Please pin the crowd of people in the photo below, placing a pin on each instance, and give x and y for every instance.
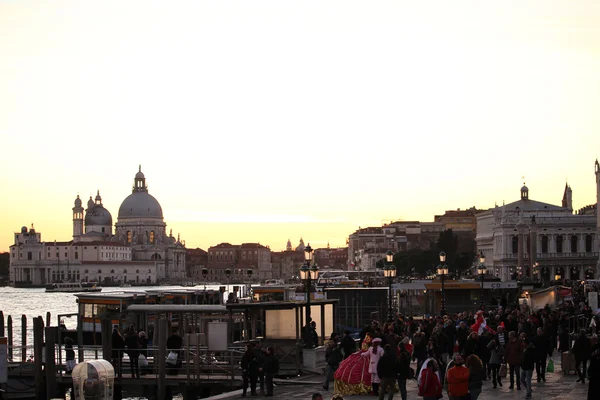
(460, 354)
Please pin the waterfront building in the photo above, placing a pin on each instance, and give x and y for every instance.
(239, 259)
(529, 238)
(366, 246)
(139, 251)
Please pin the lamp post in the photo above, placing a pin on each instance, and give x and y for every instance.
(390, 273)
(308, 273)
(482, 271)
(442, 271)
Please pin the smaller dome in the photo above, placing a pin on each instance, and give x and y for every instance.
(77, 202)
(24, 229)
(524, 189)
(98, 216)
(90, 203)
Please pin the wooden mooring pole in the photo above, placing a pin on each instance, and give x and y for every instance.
(10, 337)
(38, 349)
(1, 324)
(23, 338)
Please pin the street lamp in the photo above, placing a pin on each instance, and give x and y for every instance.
(536, 269)
(308, 273)
(442, 271)
(389, 271)
(482, 271)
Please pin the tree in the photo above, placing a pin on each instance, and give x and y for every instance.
(448, 242)
(4, 264)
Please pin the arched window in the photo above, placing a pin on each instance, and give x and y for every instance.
(149, 271)
(99, 271)
(559, 244)
(86, 271)
(151, 236)
(588, 243)
(573, 244)
(76, 255)
(128, 236)
(125, 271)
(544, 244)
(515, 244)
(137, 271)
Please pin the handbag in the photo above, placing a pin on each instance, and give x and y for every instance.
(503, 371)
(550, 367)
(142, 361)
(172, 358)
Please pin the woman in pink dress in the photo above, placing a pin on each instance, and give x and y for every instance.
(352, 376)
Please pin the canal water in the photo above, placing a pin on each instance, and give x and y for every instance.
(36, 302)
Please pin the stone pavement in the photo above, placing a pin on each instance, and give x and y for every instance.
(556, 387)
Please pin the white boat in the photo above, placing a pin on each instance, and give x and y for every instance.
(271, 282)
(336, 278)
(73, 287)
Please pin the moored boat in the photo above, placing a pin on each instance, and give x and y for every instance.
(77, 287)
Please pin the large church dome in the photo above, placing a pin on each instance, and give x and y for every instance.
(140, 204)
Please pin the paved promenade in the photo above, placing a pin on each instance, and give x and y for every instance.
(556, 387)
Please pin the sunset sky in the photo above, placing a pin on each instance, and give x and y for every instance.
(259, 121)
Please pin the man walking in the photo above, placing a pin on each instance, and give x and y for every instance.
(581, 350)
(514, 355)
(458, 380)
(542, 348)
(387, 369)
(527, 364)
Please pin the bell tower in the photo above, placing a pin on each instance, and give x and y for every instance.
(77, 219)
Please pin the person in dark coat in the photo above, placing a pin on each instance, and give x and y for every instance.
(249, 366)
(174, 344)
(333, 358)
(133, 351)
(118, 346)
(594, 372)
(483, 352)
(260, 357)
(70, 354)
(143, 338)
(470, 345)
(542, 349)
(462, 333)
(270, 368)
(348, 344)
(387, 370)
(581, 350)
(403, 369)
(527, 365)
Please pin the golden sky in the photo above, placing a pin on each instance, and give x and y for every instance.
(259, 121)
